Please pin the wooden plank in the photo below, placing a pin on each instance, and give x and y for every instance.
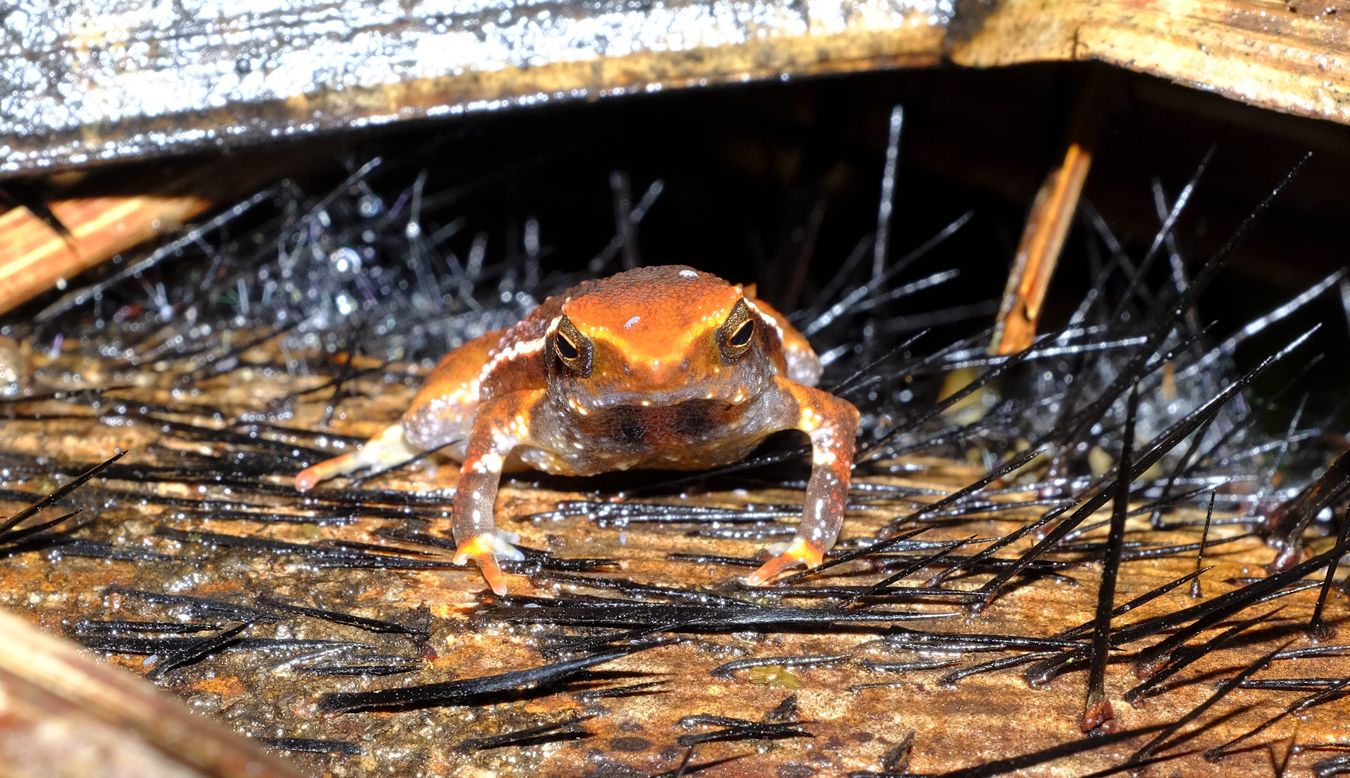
(88, 81)
(61, 713)
(1290, 57)
(853, 696)
(34, 258)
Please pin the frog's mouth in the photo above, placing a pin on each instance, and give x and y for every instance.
(585, 403)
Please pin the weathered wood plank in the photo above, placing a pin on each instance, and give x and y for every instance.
(83, 82)
(66, 714)
(1290, 57)
(857, 706)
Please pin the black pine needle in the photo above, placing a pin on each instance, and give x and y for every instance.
(1316, 626)
(1158, 742)
(566, 729)
(57, 494)
(463, 692)
(1096, 708)
(198, 650)
(1045, 755)
(1196, 591)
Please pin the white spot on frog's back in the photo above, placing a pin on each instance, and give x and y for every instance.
(628, 325)
(688, 274)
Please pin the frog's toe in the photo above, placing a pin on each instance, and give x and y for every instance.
(310, 477)
(306, 479)
(483, 549)
(386, 449)
(492, 573)
(800, 552)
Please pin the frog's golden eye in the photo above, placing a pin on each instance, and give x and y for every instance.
(566, 348)
(737, 334)
(573, 348)
(741, 337)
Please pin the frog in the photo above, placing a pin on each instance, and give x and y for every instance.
(661, 367)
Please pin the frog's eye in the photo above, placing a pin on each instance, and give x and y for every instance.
(566, 348)
(741, 337)
(737, 334)
(572, 347)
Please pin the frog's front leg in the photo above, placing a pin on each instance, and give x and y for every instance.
(502, 424)
(440, 414)
(832, 425)
(386, 449)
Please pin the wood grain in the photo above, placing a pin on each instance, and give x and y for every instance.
(855, 709)
(259, 72)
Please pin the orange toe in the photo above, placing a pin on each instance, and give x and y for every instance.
(311, 476)
(481, 550)
(306, 479)
(487, 565)
(801, 552)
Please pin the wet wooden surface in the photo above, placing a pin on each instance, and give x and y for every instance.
(69, 714)
(201, 460)
(91, 82)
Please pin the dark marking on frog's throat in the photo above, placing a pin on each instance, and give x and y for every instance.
(694, 420)
(627, 428)
(641, 430)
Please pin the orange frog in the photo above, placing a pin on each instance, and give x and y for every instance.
(658, 367)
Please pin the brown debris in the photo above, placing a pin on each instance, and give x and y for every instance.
(1047, 226)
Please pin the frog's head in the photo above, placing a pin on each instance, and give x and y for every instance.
(659, 336)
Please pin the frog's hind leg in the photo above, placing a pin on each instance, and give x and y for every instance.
(440, 414)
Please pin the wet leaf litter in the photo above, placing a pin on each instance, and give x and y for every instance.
(1020, 550)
